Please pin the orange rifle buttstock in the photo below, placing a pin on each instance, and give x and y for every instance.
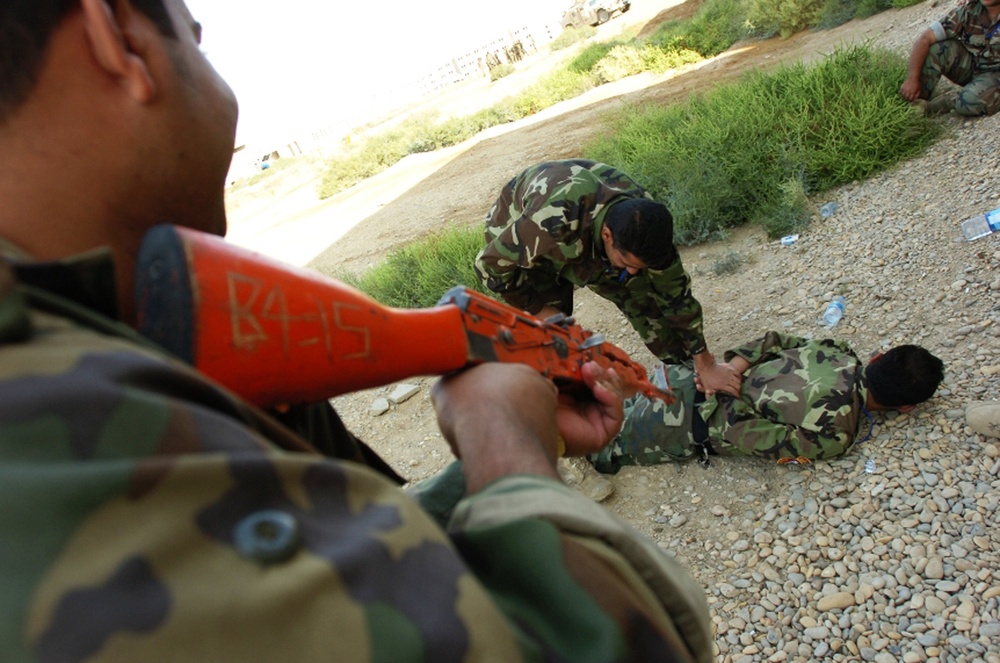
(276, 334)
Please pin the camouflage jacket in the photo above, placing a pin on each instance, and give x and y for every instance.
(799, 398)
(543, 239)
(147, 514)
(970, 24)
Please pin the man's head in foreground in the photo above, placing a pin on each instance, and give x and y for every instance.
(115, 120)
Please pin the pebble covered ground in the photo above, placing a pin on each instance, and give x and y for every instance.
(831, 561)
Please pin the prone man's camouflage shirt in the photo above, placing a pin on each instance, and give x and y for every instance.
(148, 515)
(543, 239)
(970, 25)
(799, 398)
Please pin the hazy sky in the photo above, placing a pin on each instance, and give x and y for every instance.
(303, 64)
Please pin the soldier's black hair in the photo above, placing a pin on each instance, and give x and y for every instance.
(905, 375)
(25, 29)
(644, 228)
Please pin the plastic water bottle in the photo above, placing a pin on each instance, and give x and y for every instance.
(981, 225)
(834, 311)
(660, 377)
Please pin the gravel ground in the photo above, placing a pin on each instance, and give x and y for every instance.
(835, 563)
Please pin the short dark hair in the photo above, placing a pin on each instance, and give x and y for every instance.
(644, 228)
(905, 375)
(25, 28)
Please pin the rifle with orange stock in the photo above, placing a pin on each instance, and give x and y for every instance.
(278, 334)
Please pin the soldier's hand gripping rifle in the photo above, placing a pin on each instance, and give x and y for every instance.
(277, 334)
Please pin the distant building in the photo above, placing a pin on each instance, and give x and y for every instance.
(517, 44)
(249, 158)
(512, 47)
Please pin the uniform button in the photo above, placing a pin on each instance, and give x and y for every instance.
(268, 536)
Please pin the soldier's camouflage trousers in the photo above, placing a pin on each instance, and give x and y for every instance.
(654, 432)
(980, 93)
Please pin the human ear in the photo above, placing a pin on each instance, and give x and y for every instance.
(118, 44)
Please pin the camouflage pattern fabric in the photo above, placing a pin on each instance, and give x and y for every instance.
(799, 398)
(967, 52)
(543, 239)
(149, 515)
(654, 432)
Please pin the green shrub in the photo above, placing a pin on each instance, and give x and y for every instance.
(590, 56)
(784, 17)
(836, 12)
(629, 59)
(751, 151)
(570, 36)
(418, 275)
(621, 61)
(498, 72)
(558, 86)
(716, 26)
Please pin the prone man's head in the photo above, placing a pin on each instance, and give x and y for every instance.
(643, 228)
(903, 376)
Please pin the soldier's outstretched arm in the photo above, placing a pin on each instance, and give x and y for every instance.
(560, 557)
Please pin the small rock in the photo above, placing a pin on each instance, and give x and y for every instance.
(379, 407)
(934, 569)
(403, 392)
(984, 418)
(597, 488)
(835, 601)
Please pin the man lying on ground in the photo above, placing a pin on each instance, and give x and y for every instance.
(800, 400)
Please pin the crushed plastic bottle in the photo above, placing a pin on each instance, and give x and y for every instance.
(834, 311)
(788, 240)
(870, 466)
(660, 377)
(981, 225)
(827, 209)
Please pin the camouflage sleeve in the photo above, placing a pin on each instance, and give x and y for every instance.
(682, 314)
(149, 516)
(587, 568)
(953, 24)
(526, 241)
